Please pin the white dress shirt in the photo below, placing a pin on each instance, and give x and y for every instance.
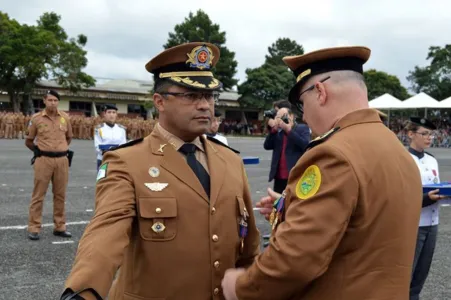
(106, 137)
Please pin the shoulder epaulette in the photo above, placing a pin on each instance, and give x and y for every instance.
(64, 114)
(320, 139)
(429, 154)
(121, 126)
(99, 126)
(221, 143)
(128, 144)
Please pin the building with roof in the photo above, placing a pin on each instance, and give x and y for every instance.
(128, 95)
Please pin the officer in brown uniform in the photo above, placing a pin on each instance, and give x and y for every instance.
(173, 210)
(345, 226)
(48, 136)
(9, 125)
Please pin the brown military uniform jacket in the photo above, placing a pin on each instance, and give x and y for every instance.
(200, 238)
(352, 209)
(51, 133)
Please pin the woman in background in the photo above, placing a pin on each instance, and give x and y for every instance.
(421, 133)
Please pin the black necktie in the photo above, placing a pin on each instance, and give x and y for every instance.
(196, 166)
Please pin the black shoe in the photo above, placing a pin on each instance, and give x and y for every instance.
(267, 236)
(65, 234)
(34, 236)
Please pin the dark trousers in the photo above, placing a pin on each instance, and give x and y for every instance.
(279, 185)
(424, 251)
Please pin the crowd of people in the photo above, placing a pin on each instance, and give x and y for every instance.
(441, 134)
(13, 126)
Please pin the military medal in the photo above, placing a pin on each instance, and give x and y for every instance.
(277, 211)
(243, 229)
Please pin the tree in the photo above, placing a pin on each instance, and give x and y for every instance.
(379, 83)
(273, 80)
(434, 79)
(281, 48)
(199, 28)
(265, 85)
(30, 53)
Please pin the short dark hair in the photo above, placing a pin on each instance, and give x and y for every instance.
(282, 104)
(162, 86)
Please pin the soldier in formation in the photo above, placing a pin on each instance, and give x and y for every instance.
(13, 126)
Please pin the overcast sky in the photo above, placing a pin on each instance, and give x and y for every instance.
(124, 34)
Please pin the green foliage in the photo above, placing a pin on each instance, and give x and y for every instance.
(379, 83)
(281, 48)
(30, 53)
(200, 28)
(273, 80)
(434, 79)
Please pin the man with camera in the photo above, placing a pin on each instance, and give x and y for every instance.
(288, 141)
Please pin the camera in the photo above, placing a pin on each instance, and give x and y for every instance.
(270, 113)
(285, 119)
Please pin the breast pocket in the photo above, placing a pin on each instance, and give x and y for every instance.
(157, 218)
(43, 129)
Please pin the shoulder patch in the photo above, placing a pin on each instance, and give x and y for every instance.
(102, 171)
(128, 144)
(322, 138)
(429, 154)
(309, 183)
(221, 143)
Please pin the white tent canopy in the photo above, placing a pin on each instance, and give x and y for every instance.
(386, 101)
(421, 100)
(445, 103)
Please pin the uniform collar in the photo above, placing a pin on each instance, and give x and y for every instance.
(366, 115)
(44, 112)
(175, 141)
(418, 154)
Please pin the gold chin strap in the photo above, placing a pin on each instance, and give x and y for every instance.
(187, 74)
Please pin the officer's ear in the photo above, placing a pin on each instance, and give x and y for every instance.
(158, 101)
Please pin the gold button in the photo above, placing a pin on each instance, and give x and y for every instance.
(215, 238)
(213, 210)
(158, 210)
(216, 264)
(216, 291)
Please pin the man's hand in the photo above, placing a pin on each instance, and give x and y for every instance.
(434, 197)
(284, 126)
(229, 283)
(273, 124)
(266, 203)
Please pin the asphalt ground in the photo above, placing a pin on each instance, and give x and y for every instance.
(36, 270)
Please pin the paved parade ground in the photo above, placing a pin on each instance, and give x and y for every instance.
(36, 270)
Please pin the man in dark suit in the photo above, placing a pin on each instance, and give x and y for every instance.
(288, 141)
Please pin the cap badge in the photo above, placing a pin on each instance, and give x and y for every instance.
(423, 121)
(201, 57)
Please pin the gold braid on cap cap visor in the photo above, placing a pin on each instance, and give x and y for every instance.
(188, 81)
(184, 77)
(303, 74)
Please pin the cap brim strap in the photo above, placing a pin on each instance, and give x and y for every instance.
(186, 74)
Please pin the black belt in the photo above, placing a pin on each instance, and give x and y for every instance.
(38, 153)
(53, 154)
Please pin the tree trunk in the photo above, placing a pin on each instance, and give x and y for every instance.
(28, 106)
(14, 102)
